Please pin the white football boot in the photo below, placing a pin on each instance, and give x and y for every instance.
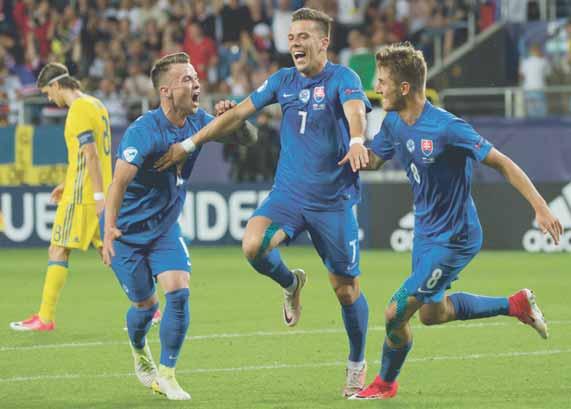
(292, 301)
(145, 367)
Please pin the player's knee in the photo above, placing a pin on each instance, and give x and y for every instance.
(346, 294)
(146, 304)
(251, 246)
(346, 289)
(57, 253)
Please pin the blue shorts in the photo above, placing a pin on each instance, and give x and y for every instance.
(335, 234)
(136, 267)
(435, 266)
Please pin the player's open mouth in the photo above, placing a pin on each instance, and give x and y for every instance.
(195, 97)
(298, 55)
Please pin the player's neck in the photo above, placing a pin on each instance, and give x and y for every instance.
(70, 95)
(413, 110)
(320, 66)
(173, 116)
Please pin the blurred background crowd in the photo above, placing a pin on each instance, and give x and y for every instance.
(235, 45)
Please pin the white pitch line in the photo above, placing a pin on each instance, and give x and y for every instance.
(320, 331)
(251, 368)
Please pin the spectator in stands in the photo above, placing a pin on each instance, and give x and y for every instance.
(533, 71)
(202, 51)
(281, 20)
(350, 16)
(257, 162)
(205, 17)
(109, 97)
(136, 88)
(9, 94)
(239, 81)
(360, 58)
(152, 37)
(235, 18)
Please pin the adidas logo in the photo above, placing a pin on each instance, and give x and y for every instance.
(402, 238)
(535, 241)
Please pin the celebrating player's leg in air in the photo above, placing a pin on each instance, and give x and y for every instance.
(324, 108)
(437, 149)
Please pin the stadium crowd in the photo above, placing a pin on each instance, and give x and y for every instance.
(234, 45)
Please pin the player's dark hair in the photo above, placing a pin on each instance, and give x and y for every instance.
(405, 63)
(53, 70)
(322, 19)
(162, 65)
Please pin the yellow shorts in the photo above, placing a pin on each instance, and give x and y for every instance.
(76, 226)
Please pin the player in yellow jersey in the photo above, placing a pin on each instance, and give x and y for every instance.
(81, 198)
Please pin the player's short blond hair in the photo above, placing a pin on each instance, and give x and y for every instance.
(54, 70)
(162, 65)
(323, 20)
(405, 63)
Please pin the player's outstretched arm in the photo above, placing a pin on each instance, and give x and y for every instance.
(357, 155)
(218, 128)
(124, 174)
(246, 134)
(547, 222)
(94, 171)
(374, 161)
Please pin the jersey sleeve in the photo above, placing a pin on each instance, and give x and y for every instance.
(79, 121)
(382, 144)
(350, 87)
(462, 135)
(135, 147)
(267, 93)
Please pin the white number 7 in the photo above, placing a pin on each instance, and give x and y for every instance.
(303, 115)
(353, 245)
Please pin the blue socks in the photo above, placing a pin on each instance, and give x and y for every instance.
(272, 266)
(356, 319)
(176, 318)
(392, 360)
(138, 324)
(471, 306)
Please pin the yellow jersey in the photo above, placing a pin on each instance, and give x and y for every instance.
(87, 122)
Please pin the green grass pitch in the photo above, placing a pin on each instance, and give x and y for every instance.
(240, 355)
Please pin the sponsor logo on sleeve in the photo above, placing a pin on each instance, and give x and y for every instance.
(349, 91)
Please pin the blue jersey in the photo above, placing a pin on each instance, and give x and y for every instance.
(314, 134)
(437, 153)
(153, 200)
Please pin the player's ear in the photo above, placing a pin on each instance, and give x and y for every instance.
(325, 43)
(404, 88)
(164, 92)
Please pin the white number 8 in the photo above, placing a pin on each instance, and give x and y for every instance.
(415, 173)
(431, 283)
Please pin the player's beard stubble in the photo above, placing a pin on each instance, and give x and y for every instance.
(395, 102)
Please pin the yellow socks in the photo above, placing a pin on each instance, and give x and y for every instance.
(55, 280)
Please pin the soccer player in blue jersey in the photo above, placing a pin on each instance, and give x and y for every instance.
(437, 149)
(324, 109)
(142, 240)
